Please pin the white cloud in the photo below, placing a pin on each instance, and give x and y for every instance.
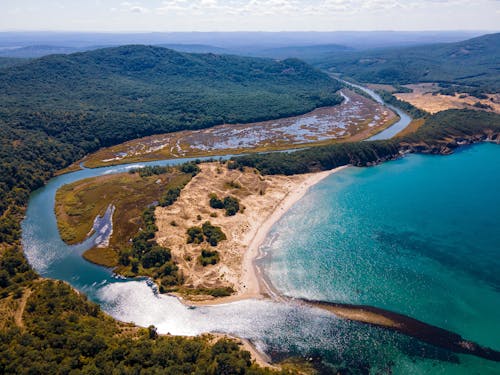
(295, 7)
(186, 15)
(133, 7)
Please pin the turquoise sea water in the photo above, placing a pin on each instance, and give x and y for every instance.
(419, 236)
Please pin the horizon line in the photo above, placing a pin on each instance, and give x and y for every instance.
(242, 31)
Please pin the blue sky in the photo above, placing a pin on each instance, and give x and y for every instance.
(232, 15)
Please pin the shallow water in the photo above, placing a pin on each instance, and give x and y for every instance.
(419, 236)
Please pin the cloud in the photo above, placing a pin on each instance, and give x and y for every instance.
(294, 7)
(135, 7)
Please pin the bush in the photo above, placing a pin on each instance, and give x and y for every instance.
(170, 197)
(208, 257)
(191, 168)
(208, 232)
(156, 257)
(212, 233)
(232, 206)
(215, 202)
(195, 235)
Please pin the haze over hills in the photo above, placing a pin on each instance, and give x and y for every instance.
(31, 44)
(473, 62)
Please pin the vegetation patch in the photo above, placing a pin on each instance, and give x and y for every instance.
(208, 257)
(78, 203)
(230, 204)
(208, 232)
(214, 292)
(103, 256)
(146, 257)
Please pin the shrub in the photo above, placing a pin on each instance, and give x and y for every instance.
(212, 233)
(231, 205)
(208, 257)
(215, 202)
(156, 257)
(195, 235)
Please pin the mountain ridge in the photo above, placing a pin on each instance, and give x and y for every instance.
(473, 62)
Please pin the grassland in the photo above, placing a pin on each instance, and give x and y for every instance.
(79, 203)
(426, 96)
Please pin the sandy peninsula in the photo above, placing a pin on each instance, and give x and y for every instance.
(263, 201)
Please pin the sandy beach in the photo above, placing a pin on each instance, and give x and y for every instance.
(265, 200)
(251, 277)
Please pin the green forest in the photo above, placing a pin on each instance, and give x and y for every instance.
(63, 333)
(55, 109)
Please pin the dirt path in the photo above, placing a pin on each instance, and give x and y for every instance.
(18, 316)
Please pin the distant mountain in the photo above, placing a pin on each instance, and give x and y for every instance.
(236, 40)
(474, 62)
(310, 54)
(36, 51)
(110, 95)
(196, 48)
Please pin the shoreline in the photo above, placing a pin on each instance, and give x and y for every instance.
(254, 283)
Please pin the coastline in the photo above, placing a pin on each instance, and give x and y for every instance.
(253, 282)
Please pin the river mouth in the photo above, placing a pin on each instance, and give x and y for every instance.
(279, 329)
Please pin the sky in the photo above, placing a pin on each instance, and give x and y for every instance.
(252, 15)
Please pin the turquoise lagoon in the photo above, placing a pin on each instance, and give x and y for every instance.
(419, 236)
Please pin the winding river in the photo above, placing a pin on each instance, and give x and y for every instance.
(279, 329)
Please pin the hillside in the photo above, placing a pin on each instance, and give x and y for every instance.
(6, 62)
(473, 62)
(311, 54)
(115, 94)
(55, 109)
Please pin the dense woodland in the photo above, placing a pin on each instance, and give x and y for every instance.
(107, 96)
(472, 64)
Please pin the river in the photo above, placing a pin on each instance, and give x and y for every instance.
(279, 329)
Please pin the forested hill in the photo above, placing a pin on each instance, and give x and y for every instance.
(7, 62)
(55, 109)
(110, 95)
(473, 62)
